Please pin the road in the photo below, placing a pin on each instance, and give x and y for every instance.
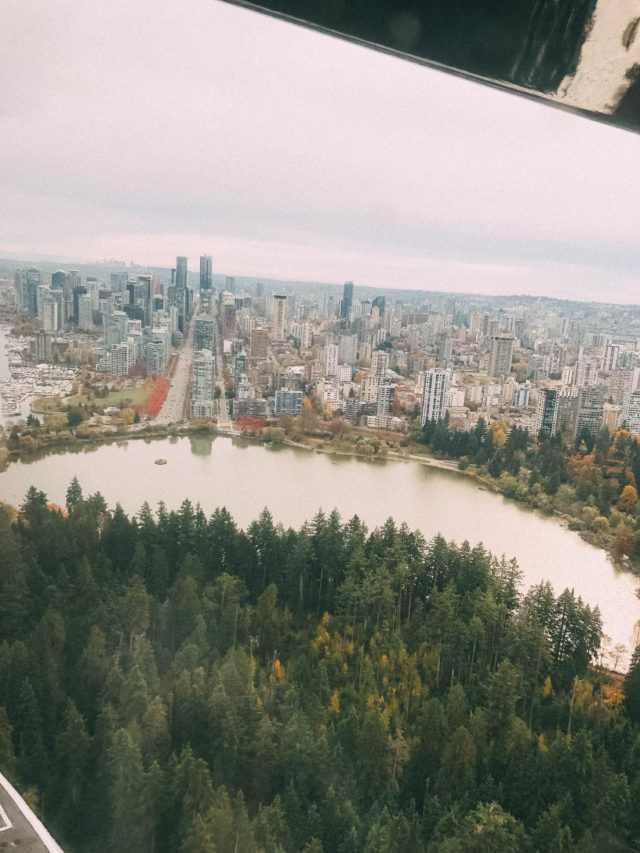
(19, 827)
(224, 420)
(173, 408)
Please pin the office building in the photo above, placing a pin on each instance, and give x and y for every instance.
(27, 284)
(380, 302)
(205, 273)
(347, 300)
(58, 280)
(118, 282)
(85, 312)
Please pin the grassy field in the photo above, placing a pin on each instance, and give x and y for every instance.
(134, 396)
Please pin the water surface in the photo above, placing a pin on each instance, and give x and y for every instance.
(245, 477)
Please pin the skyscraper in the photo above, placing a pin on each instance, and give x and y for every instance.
(590, 408)
(203, 384)
(27, 285)
(347, 300)
(228, 317)
(205, 273)
(279, 317)
(380, 302)
(181, 273)
(379, 363)
(434, 396)
(500, 358)
(331, 360)
(546, 413)
(58, 280)
(259, 343)
(180, 293)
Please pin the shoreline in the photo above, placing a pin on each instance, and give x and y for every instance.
(80, 444)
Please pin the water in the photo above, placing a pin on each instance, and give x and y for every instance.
(245, 477)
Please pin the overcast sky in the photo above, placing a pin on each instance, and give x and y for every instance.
(143, 129)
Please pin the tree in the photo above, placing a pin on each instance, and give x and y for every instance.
(632, 687)
(129, 808)
(75, 416)
(7, 754)
(72, 747)
(74, 495)
(627, 500)
(490, 828)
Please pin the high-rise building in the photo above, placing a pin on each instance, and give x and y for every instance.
(157, 356)
(205, 273)
(203, 336)
(44, 349)
(566, 411)
(27, 286)
(546, 412)
(610, 358)
(181, 273)
(279, 317)
(288, 402)
(380, 302)
(259, 346)
(85, 312)
(118, 281)
(379, 363)
(50, 308)
(203, 384)
(140, 296)
(434, 394)
(348, 348)
(500, 357)
(58, 280)
(228, 317)
(239, 367)
(78, 291)
(180, 291)
(386, 394)
(590, 408)
(331, 360)
(631, 413)
(347, 300)
(369, 388)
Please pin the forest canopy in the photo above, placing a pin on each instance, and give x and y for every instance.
(172, 683)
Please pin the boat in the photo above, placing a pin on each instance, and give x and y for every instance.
(160, 462)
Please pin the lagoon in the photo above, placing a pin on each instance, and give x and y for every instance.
(294, 484)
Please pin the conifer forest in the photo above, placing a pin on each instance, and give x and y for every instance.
(170, 683)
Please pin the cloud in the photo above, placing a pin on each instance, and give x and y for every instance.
(142, 125)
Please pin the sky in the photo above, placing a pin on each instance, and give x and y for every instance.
(145, 129)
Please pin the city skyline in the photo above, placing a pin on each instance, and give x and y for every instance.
(362, 167)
